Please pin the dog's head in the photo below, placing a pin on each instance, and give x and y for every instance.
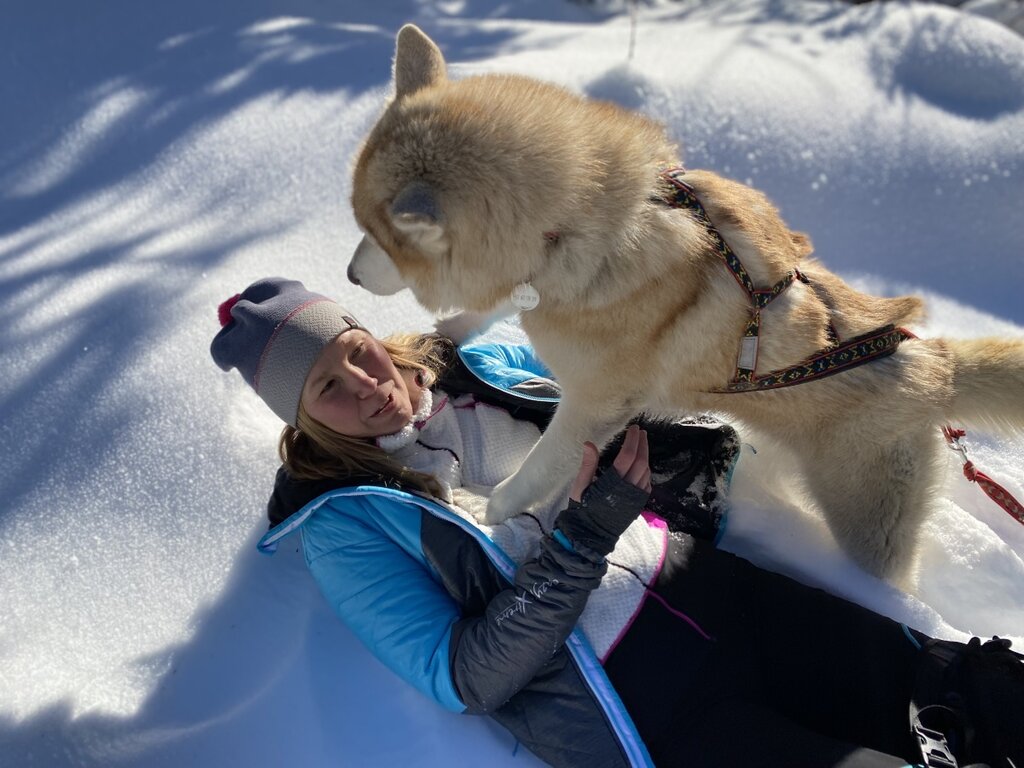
(432, 192)
(460, 181)
(397, 207)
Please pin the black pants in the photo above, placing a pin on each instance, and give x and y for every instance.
(790, 677)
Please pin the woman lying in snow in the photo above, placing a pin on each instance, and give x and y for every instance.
(604, 631)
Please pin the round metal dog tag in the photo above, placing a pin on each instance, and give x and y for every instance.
(525, 297)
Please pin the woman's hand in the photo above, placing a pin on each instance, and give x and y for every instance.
(600, 510)
(630, 463)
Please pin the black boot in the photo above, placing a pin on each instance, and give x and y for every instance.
(968, 704)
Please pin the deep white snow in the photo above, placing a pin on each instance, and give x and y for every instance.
(156, 158)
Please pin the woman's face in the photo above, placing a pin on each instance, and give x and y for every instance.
(355, 389)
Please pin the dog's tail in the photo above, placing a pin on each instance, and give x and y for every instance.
(988, 382)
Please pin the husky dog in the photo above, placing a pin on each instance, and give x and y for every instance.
(473, 190)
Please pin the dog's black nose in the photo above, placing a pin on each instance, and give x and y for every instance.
(351, 276)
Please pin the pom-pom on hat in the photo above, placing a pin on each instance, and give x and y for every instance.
(273, 332)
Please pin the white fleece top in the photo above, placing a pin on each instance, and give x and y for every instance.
(469, 445)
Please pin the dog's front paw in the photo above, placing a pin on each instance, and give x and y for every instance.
(472, 499)
(508, 500)
(503, 504)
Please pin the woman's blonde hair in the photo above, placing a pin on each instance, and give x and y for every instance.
(315, 452)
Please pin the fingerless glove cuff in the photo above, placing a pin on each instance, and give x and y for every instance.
(607, 508)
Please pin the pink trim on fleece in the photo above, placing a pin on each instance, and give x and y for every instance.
(680, 615)
(433, 413)
(654, 522)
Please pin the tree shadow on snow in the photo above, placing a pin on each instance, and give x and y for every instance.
(269, 678)
(101, 100)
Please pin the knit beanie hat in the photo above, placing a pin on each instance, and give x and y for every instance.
(273, 332)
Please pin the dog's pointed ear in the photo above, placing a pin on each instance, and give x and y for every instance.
(416, 212)
(418, 61)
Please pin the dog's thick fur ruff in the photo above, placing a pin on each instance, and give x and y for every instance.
(459, 188)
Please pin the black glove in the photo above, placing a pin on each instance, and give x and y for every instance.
(607, 508)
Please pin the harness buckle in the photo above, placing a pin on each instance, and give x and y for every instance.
(935, 749)
(747, 360)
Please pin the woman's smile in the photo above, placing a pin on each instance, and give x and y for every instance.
(389, 405)
(355, 389)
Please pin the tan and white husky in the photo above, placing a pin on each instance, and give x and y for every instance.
(470, 190)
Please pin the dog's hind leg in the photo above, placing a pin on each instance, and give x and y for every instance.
(874, 494)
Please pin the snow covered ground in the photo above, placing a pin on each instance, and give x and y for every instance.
(156, 158)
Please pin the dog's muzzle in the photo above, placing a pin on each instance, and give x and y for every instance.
(373, 269)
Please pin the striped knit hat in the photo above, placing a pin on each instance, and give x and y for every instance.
(273, 332)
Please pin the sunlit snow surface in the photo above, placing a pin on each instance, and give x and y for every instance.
(155, 160)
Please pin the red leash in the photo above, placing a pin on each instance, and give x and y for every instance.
(992, 489)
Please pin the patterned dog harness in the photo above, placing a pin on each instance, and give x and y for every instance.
(836, 358)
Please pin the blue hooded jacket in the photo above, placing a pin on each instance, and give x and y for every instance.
(447, 610)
